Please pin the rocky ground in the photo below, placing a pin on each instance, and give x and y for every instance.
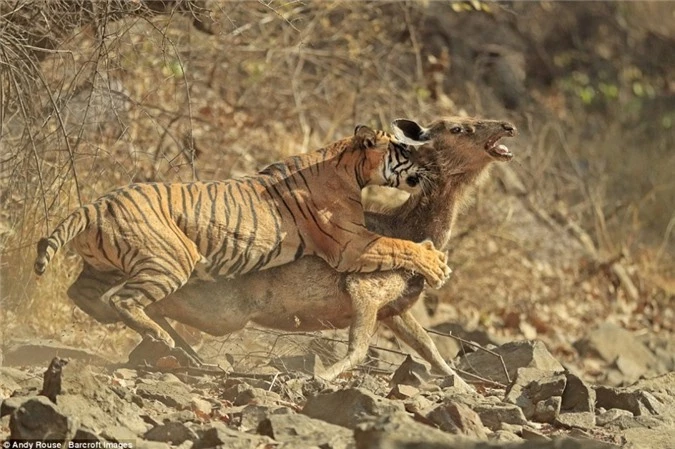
(524, 398)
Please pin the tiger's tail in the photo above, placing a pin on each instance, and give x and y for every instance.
(68, 229)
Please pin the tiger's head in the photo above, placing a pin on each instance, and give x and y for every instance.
(453, 145)
(386, 160)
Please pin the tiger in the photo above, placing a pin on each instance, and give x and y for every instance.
(150, 238)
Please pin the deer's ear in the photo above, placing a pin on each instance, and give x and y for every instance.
(410, 132)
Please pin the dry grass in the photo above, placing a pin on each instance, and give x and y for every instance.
(157, 100)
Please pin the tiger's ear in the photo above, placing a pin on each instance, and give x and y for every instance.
(410, 132)
(364, 136)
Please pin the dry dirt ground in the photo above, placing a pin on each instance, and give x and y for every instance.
(562, 263)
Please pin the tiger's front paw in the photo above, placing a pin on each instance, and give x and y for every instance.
(435, 265)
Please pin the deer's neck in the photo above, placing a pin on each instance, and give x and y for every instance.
(429, 216)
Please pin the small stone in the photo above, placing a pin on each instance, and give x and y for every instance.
(495, 415)
(577, 397)
(457, 418)
(611, 342)
(530, 434)
(638, 402)
(303, 431)
(201, 407)
(222, 436)
(10, 404)
(411, 372)
(243, 394)
(397, 430)
(118, 433)
(517, 354)
(504, 436)
(582, 420)
(125, 373)
(252, 415)
(84, 434)
(533, 385)
(611, 415)
(170, 394)
(171, 432)
(547, 411)
(403, 392)
(349, 407)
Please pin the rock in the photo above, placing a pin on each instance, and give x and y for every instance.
(532, 386)
(294, 389)
(38, 418)
(530, 434)
(547, 411)
(302, 431)
(578, 404)
(84, 434)
(201, 408)
(41, 352)
(403, 392)
(637, 402)
(457, 418)
(172, 395)
(349, 407)
(146, 444)
(504, 436)
(517, 354)
(222, 436)
(411, 372)
(252, 415)
(399, 431)
(171, 379)
(494, 416)
(611, 415)
(514, 428)
(582, 420)
(171, 432)
(12, 379)
(125, 373)
(656, 438)
(305, 363)
(455, 382)
(613, 344)
(96, 406)
(118, 433)
(577, 397)
(10, 404)
(262, 382)
(631, 422)
(243, 394)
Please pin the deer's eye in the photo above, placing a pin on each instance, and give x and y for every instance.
(456, 129)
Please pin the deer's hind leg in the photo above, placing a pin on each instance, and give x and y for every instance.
(88, 290)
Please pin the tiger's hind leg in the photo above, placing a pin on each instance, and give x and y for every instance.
(88, 290)
(143, 288)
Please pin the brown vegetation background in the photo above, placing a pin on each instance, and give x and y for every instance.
(577, 231)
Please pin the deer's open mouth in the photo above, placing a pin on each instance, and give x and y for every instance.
(498, 150)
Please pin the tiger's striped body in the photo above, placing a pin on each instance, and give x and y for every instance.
(150, 237)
